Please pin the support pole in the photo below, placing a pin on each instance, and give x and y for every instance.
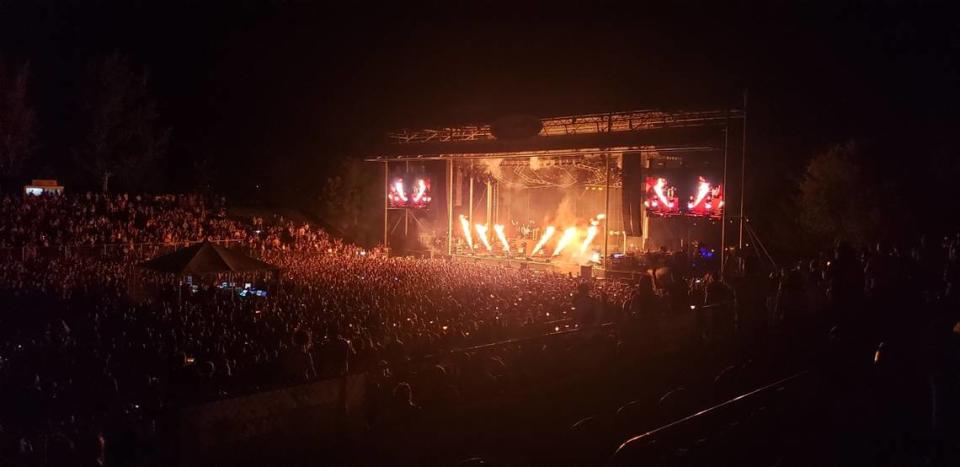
(470, 204)
(406, 211)
(743, 168)
(489, 219)
(723, 212)
(606, 207)
(644, 218)
(496, 203)
(449, 207)
(386, 205)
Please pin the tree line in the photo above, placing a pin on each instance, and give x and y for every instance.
(119, 139)
(888, 190)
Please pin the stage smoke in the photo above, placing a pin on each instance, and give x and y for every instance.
(566, 213)
(493, 167)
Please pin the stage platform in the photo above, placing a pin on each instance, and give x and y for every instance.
(520, 263)
(561, 267)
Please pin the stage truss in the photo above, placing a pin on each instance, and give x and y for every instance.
(578, 125)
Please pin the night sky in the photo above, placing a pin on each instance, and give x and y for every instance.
(272, 92)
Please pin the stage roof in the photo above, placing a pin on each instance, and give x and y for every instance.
(666, 131)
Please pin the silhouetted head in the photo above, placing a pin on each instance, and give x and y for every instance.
(403, 394)
(645, 283)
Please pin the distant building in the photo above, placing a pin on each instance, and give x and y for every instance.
(39, 187)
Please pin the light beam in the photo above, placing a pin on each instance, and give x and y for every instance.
(419, 189)
(482, 233)
(702, 189)
(565, 239)
(398, 186)
(591, 233)
(658, 189)
(465, 224)
(498, 228)
(544, 239)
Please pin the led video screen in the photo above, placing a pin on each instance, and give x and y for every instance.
(706, 199)
(409, 192)
(661, 197)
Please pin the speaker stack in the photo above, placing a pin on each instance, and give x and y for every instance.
(632, 193)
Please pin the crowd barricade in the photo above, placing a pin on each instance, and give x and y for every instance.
(231, 430)
(745, 425)
(228, 428)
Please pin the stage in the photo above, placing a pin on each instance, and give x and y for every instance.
(560, 267)
(579, 190)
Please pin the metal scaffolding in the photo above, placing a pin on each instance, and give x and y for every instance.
(577, 125)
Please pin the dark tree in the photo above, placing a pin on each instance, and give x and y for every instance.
(351, 201)
(18, 120)
(840, 198)
(122, 137)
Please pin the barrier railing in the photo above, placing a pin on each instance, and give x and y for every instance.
(654, 445)
(428, 359)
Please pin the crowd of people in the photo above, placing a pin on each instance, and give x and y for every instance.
(88, 343)
(89, 220)
(87, 338)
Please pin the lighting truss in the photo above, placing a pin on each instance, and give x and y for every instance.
(558, 172)
(577, 125)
